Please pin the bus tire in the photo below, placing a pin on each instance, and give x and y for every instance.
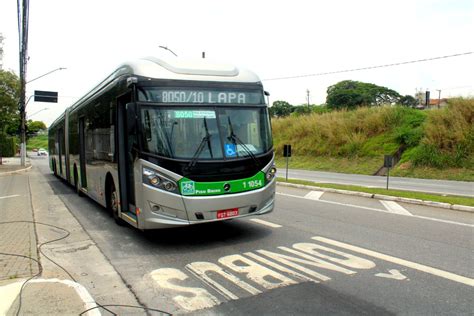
(54, 167)
(113, 204)
(76, 182)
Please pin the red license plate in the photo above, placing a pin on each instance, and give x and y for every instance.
(228, 213)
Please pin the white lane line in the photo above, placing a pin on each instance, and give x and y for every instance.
(406, 263)
(394, 207)
(9, 196)
(314, 195)
(379, 210)
(260, 221)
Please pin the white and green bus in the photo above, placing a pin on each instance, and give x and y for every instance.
(169, 143)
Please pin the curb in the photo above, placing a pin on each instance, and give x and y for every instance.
(16, 171)
(455, 207)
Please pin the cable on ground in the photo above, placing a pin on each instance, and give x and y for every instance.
(40, 268)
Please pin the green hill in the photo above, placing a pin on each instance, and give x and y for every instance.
(40, 141)
(437, 143)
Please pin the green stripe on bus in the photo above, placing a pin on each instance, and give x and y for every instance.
(191, 188)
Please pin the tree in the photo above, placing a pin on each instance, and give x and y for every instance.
(351, 94)
(35, 126)
(281, 109)
(303, 109)
(408, 100)
(9, 98)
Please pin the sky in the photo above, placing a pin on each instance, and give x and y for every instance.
(273, 38)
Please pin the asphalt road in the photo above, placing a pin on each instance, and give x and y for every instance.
(317, 253)
(463, 188)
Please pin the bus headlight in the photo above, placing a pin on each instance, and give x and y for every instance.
(157, 180)
(271, 173)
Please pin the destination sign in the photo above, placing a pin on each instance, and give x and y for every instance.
(206, 96)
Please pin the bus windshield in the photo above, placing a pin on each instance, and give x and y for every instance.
(206, 132)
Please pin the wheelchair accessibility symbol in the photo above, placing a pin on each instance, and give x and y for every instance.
(230, 150)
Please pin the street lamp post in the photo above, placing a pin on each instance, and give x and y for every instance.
(30, 115)
(49, 72)
(23, 110)
(166, 48)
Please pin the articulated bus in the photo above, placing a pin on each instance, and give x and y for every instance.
(169, 143)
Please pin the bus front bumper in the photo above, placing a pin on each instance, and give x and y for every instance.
(164, 210)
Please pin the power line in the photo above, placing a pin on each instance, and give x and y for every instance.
(369, 67)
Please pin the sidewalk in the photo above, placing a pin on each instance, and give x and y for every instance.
(13, 164)
(81, 277)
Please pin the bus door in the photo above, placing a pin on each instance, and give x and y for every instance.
(126, 142)
(60, 150)
(82, 153)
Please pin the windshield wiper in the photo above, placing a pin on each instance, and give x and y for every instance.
(163, 132)
(236, 140)
(204, 140)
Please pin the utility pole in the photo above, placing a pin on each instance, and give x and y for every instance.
(307, 96)
(23, 17)
(439, 98)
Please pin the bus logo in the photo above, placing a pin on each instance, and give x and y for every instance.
(188, 188)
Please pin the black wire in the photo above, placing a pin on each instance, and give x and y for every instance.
(40, 269)
(369, 67)
(130, 306)
(39, 263)
(68, 233)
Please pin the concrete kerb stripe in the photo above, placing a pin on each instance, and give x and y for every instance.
(14, 172)
(455, 207)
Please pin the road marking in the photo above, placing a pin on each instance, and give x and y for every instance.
(314, 195)
(8, 196)
(394, 207)
(269, 224)
(266, 269)
(379, 210)
(392, 274)
(201, 270)
(406, 263)
(196, 298)
(280, 267)
(259, 274)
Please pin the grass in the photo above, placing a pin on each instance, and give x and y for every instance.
(456, 174)
(40, 141)
(355, 165)
(439, 143)
(460, 200)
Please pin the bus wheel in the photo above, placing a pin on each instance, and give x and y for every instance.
(54, 167)
(76, 182)
(113, 204)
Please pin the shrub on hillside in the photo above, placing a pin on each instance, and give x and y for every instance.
(362, 132)
(448, 139)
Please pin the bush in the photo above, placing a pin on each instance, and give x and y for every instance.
(448, 139)
(7, 145)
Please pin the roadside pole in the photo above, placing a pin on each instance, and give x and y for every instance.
(388, 163)
(287, 154)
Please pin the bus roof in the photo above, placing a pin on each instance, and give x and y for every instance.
(172, 69)
(181, 69)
